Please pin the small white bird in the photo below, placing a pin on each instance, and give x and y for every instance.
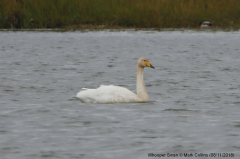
(117, 94)
(205, 24)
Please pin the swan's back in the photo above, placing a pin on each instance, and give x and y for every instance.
(107, 94)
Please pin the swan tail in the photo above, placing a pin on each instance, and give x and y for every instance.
(85, 95)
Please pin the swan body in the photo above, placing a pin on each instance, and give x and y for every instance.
(117, 94)
(107, 94)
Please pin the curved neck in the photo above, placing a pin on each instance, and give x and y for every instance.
(141, 91)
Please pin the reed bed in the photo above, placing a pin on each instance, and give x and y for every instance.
(124, 13)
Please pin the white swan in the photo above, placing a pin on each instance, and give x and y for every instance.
(116, 94)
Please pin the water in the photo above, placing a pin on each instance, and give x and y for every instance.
(194, 93)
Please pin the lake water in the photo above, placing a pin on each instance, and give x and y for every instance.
(194, 94)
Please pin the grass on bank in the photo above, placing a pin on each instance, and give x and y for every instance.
(124, 13)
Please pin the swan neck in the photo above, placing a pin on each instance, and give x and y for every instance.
(141, 91)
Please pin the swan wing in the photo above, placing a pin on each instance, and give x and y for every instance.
(107, 94)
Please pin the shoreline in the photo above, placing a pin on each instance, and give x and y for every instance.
(118, 28)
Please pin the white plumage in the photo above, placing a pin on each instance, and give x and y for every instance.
(106, 94)
(205, 24)
(117, 94)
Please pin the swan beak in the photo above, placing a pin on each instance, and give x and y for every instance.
(149, 65)
(152, 66)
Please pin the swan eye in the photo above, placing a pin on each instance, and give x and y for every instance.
(144, 60)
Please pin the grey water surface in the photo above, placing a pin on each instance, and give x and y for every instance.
(194, 94)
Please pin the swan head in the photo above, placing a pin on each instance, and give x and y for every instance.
(144, 62)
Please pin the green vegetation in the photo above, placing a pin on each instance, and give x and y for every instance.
(124, 13)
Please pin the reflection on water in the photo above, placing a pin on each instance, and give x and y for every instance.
(194, 92)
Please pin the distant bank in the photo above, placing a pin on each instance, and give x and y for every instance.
(74, 14)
